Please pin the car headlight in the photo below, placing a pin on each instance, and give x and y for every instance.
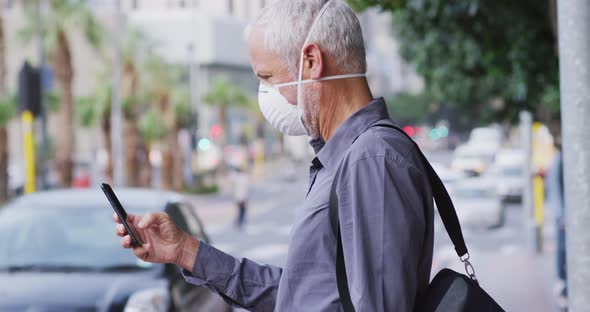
(149, 300)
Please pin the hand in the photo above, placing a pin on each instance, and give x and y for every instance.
(164, 242)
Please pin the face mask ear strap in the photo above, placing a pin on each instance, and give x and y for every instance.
(336, 77)
(311, 29)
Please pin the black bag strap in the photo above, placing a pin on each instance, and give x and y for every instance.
(444, 205)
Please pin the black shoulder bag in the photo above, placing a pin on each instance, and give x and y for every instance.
(448, 291)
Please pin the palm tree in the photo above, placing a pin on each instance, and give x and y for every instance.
(223, 95)
(64, 16)
(137, 164)
(168, 115)
(97, 108)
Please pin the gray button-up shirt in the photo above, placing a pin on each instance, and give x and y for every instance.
(386, 219)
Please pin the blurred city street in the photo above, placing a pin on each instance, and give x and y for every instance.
(202, 113)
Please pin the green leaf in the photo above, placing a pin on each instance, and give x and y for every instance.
(53, 101)
(8, 107)
(223, 93)
(409, 108)
(67, 15)
(86, 112)
(151, 126)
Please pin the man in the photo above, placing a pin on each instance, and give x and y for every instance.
(309, 56)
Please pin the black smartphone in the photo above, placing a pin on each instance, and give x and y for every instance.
(116, 204)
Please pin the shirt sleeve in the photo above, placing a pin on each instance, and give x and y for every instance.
(382, 219)
(240, 282)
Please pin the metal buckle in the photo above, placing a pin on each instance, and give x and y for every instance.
(468, 267)
(466, 257)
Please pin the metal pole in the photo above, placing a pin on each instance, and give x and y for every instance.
(116, 109)
(193, 110)
(574, 59)
(192, 83)
(43, 153)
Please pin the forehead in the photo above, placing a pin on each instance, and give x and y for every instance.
(263, 60)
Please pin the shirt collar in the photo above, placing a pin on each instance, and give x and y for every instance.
(332, 151)
(317, 144)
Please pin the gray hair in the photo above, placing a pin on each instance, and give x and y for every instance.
(338, 32)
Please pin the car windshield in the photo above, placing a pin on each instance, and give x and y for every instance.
(472, 155)
(512, 171)
(62, 239)
(474, 193)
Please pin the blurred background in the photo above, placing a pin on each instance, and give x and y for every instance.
(158, 98)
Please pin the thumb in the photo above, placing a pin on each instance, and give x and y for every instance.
(142, 251)
(151, 219)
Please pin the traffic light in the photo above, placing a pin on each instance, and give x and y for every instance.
(411, 131)
(29, 89)
(216, 131)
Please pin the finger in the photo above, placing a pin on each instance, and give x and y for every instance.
(126, 242)
(121, 231)
(151, 219)
(131, 218)
(116, 217)
(142, 251)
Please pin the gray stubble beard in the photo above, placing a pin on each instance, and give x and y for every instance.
(311, 112)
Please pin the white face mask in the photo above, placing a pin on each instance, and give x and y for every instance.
(281, 114)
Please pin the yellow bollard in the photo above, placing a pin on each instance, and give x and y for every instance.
(539, 200)
(543, 152)
(27, 120)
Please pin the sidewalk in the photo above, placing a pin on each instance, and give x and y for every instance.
(518, 280)
(513, 274)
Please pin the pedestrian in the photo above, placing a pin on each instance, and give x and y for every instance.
(555, 199)
(310, 59)
(240, 188)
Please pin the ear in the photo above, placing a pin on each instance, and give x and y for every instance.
(313, 62)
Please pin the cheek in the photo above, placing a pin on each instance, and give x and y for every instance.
(290, 93)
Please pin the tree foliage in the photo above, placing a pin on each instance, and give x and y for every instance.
(151, 126)
(64, 15)
(224, 94)
(90, 109)
(167, 94)
(7, 109)
(470, 52)
(407, 108)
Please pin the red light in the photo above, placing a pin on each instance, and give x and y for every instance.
(410, 130)
(216, 131)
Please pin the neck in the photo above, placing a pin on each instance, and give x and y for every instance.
(343, 98)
